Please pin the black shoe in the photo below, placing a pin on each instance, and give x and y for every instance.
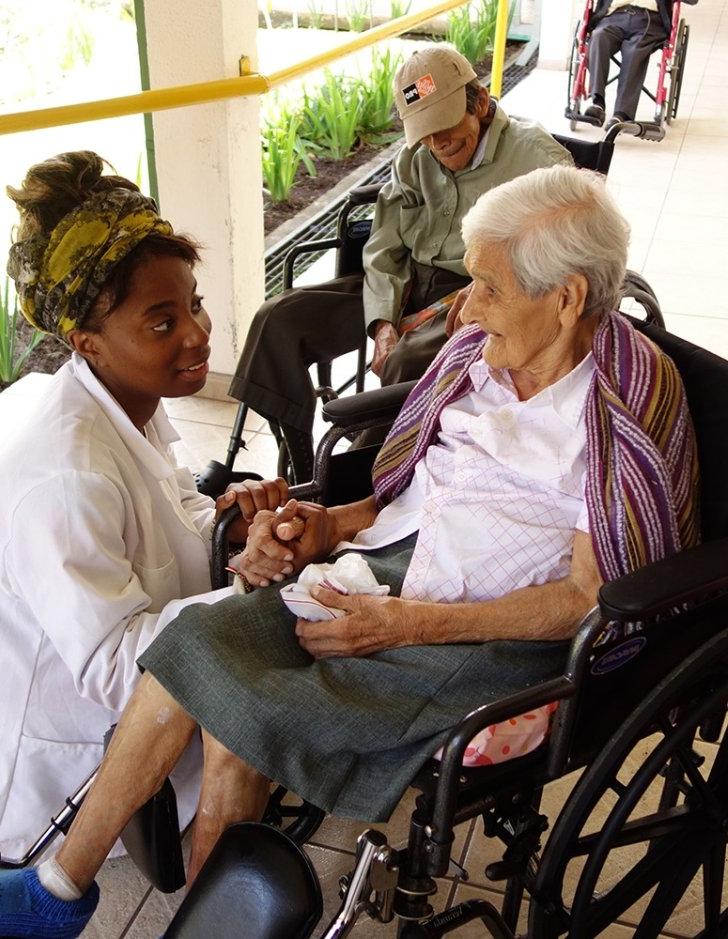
(596, 112)
(616, 118)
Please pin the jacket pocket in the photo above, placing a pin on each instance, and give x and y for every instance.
(161, 583)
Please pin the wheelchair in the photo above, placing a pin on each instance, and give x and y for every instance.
(642, 708)
(351, 235)
(669, 81)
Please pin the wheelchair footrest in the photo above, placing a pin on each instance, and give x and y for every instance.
(256, 883)
(582, 118)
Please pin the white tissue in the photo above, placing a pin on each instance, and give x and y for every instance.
(350, 574)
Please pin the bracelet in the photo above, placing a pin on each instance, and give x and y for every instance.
(247, 586)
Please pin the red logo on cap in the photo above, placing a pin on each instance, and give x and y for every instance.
(425, 85)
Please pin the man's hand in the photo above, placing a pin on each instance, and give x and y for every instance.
(251, 496)
(386, 338)
(453, 321)
(370, 625)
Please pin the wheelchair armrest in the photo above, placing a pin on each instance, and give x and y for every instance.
(381, 404)
(364, 195)
(687, 577)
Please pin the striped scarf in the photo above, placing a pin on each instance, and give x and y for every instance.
(641, 457)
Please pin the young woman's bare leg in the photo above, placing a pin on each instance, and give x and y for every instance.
(232, 791)
(152, 734)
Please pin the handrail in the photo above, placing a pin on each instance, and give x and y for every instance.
(499, 48)
(244, 85)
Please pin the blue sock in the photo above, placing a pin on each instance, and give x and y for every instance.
(28, 909)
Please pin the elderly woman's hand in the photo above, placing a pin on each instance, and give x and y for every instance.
(251, 496)
(453, 321)
(266, 557)
(371, 624)
(311, 534)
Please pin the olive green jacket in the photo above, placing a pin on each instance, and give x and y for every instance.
(419, 212)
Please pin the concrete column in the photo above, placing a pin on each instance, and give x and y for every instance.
(208, 161)
(558, 18)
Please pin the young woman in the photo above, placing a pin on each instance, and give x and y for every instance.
(101, 534)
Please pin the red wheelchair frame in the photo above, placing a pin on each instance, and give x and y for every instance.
(672, 66)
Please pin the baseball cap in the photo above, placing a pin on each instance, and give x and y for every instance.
(429, 91)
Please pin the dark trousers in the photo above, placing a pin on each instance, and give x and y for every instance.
(634, 32)
(299, 327)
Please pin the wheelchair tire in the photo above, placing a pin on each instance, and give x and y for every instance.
(664, 824)
(294, 817)
(572, 103)
(677, 70)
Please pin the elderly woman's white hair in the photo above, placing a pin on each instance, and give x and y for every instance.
(556, 222)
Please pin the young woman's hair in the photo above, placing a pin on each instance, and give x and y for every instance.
(56, 187)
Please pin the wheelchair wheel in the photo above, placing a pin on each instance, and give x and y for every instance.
(677, 70)
(296, 818)
(647, 821)
(572, 100)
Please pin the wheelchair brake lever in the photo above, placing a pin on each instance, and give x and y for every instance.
(375, 872)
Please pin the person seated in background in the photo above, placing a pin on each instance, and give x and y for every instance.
(459, 144)
(633, 28)
(101, 533)
(498, 511)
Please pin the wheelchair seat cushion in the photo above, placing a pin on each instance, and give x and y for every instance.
(509, 739)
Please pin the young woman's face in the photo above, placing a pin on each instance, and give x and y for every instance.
(156, 342)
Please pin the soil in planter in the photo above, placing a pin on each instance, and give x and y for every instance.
(308, 188)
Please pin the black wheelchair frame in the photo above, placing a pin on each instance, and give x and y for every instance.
(650, 662)
(352, 232)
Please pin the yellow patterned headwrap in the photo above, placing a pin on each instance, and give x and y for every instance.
(59, 278)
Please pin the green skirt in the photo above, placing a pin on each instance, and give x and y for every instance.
(346, 734)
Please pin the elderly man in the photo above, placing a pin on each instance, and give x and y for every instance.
(634, 28)
(459, 144)
(498, 512)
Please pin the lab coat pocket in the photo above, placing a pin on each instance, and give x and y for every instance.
(162, 584)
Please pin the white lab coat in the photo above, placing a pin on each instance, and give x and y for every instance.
(100, 534)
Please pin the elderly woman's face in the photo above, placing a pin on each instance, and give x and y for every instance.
(520, 330)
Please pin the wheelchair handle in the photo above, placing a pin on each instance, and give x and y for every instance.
(364, 195)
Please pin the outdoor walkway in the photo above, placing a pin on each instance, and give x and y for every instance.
(675, 195)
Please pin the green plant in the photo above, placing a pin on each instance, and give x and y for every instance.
(331, 117)
(358, 13)
(315, 14)
(398, 8)
(79, 44)
(378, 98)
(283, 152)
(12, 356)
(471, 29)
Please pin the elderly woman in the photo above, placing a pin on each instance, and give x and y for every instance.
(530, 463)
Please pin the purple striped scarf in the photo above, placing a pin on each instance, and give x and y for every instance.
(641, 457)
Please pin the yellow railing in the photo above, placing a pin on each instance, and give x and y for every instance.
(247, 84)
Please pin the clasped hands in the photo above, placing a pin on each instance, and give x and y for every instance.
(283, 536)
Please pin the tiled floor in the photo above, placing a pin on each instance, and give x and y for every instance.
(675, 195)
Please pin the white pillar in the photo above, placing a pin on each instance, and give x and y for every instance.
(208, 161)
(558, 19)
